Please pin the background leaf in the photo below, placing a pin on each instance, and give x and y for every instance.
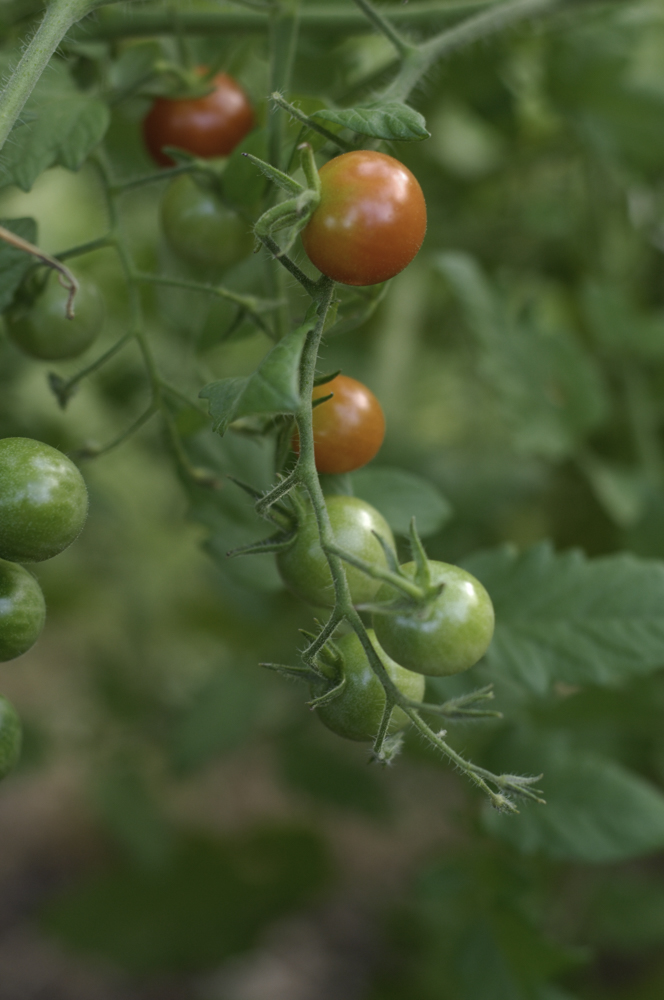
(273, 387)
(382, 121)
(597, 812)
(400, 495)
(61, 125)
(567, 618)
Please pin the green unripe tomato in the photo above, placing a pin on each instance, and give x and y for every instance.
(446, 635)
(357, 713)
(10, 737)
(41, 328)
(303, 566)
(199, 227)
(22, 610)
(43, 500)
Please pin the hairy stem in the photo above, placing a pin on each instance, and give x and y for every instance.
(60, 15)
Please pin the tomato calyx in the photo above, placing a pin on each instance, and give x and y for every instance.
(414, 593)
(295, 212)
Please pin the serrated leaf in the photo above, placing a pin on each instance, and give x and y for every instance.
(383, 121)
(61, 125)
(401, 495)
(551, 390)
(273, 387)
(563, 617)
(14, 263)
(597, 811)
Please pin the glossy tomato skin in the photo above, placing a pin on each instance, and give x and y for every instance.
(43, 500)
(357, 713)
(303, 566)
(371, 219)
(449, 635)
(204, 126)
(10, 737)
(199, 227)
(348, 429)
(22, 610)
(42, 330)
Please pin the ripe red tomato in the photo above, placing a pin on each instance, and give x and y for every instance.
(371, 219)
(205, 126)
(348, 429)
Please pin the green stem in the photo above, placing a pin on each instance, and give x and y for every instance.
(401, 44)
(158, 175)
(489, 22)
(60, 15)
(246, 302)
(89, 453)
(327, 18)
(309, 123)
(100, 243)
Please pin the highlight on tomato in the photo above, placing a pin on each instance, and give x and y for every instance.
(448, 633)
(370, 221)
(348, 428)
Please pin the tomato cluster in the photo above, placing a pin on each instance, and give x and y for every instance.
(444, 632)
(43, 507)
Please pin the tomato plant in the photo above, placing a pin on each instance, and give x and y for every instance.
(207, 126)
(40, 326)
(371, 219)
(43, 500)
(199, 227)
(348, 429)
(357, 712)
(22, 613)
(445, 634)
(303, 565)
(10, 737)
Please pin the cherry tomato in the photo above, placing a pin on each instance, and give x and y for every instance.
(10, 737)
(348, 429)
(370, 221)
(303, 566)
(199, 227)
(357, 713)
(41, 328)
(43, 500)
(448, 634)
(205, 126)
(22, 611)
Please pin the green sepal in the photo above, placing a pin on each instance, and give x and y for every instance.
(275, 543)
(324, 379)
(329, 696)
(422, 571)
(305, 674)
(278, 177)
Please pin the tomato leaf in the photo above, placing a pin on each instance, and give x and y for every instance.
(272, 388)
(15, 263)
(550, 389)
(401, 495)
(572, 619)
(597, 811)
(380, 121)
(61, 125)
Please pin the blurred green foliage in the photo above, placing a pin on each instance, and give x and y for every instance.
(520, 363)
